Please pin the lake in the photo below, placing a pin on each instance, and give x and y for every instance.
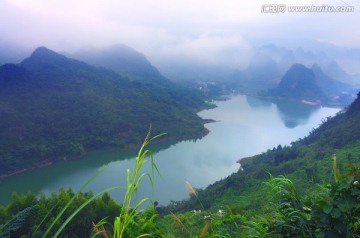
(244, 126)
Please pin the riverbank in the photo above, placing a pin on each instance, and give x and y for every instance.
(316, 103)
(127, 148)
(26, 169)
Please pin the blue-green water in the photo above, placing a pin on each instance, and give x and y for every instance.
(244, 126)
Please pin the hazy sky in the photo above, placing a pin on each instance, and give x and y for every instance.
(197, 28)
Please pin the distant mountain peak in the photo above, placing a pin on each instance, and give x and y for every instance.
(41, 49)
(297, 67)
(43, 57)
(42, 52)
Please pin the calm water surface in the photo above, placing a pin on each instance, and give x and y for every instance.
(245, 126)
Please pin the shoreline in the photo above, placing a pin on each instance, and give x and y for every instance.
(127, 148)
(303, 101)
(23, 170)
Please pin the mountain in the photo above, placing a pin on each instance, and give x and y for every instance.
(285, 58)
(335, 71)
(312, 84)
(123, 60)
(310, 57)
(262, 68)
(261, 74)
(53, 108)
(286, 61)
(299, 83)
(336, 91)
(132, 64)
(256, 70)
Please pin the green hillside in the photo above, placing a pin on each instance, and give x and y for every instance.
(54, 108)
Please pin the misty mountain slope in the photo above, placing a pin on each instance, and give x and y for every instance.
(282, 57)
(258, 71)
(53, 107)
(262, 68)
(334, 89)
(132, 64)
(327, 83)
(334, 70)
(286, 61)
(123, 60)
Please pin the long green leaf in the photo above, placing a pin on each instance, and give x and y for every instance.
(71, 201)
(82, 206)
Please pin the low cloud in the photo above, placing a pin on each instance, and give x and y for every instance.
(232, 50)
(214, 31)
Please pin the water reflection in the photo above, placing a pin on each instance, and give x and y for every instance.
(293, 114)
(256, 103)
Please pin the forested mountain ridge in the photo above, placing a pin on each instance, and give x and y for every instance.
(53, 107)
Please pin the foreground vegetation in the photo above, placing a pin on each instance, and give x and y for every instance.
(328, 210)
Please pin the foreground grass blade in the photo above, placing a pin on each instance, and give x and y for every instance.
(71, 201)
(82, 206)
